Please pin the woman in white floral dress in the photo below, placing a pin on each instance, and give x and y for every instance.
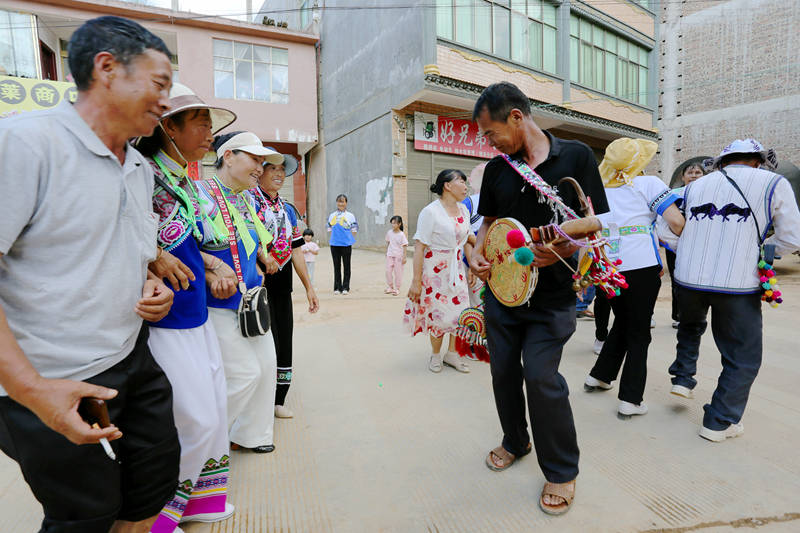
(439, 291)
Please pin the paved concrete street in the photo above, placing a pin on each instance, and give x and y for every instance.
(379, 443)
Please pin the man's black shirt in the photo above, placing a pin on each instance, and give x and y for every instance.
(504, 193)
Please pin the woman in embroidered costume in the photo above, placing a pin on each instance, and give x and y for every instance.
(250, 366)
(184, 343)
(280, 219)
(635, 201)
(439, 291)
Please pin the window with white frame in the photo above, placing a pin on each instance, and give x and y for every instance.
(18, 42)
(246, 71)
(602, 60)
(523, 31)
(305, 13)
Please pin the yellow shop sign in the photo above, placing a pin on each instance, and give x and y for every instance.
(26, 94)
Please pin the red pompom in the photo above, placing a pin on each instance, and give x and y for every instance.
(515, 238)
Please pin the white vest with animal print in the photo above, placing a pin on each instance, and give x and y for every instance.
(718, 250)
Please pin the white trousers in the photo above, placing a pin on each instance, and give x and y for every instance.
(251, 372)
(192, 361)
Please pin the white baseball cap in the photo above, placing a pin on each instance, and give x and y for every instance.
(250, 143)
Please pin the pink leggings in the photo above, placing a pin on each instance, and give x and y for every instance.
(394, 269)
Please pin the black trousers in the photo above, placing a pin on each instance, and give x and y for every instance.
(281, 322)
(671, 267)
(630, 334)
(736, 324)
(602, 313)
(537, 333)
(83, 491)
(341, 255)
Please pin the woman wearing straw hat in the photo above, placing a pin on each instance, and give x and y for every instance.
(281, 220)
(184, 343)
(634, 201)
(250, 366)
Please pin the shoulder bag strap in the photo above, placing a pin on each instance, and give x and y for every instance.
(739, 190)
(223, 208)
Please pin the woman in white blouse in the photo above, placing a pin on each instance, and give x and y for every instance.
(439, 291)
(634, 201)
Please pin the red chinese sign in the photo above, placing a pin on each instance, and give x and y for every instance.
(433, 133)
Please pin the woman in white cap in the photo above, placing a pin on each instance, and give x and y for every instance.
(250, 366)
(634, 201)
(184, 343)
(281, 220)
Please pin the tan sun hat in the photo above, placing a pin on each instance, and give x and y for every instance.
(182, 98)
(250, 143)
(625, 159)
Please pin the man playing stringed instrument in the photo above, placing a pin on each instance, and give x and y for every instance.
(523, 185)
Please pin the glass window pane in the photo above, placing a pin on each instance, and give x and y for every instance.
(483, 26)
(280, 98)
(223, 48)
(444, 19)
(243, 50)
(632, 86)
(643, 85)
(464, 21)
(280, 56)
(643, 53)
(535, 44)
(280, 79)
(586, 64)
(261, 82)
(597, 36)
(518, 6)
(611, 42)
(244, 80)
(633, 52)
(223, 84)
(549, 49)
(574, 25)
(501, 28)
(223, 63)
(586, 30)
(574, 44)
(17, 54)
(548, 13)
(599, 69)
(261, 53)
(611, 73)
(535, 9)
(519, 37)
(622, 48)
(502, 2)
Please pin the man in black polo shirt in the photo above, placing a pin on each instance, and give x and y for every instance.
(539, 329)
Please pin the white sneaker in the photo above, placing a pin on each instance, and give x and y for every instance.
(454, 360)
(598, 346)
(337, 292)
(732, 431)
(591, 384)
(210, 517)
(652, 323)
(281, 411)
(683, 392)
(435, 363)
(345, 292)
(627, 410)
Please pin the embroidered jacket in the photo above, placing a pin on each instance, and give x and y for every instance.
(718, 250)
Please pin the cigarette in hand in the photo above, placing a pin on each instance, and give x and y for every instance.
(106, 446)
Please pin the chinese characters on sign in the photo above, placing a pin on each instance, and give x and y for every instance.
(433, 133)
(25, 94)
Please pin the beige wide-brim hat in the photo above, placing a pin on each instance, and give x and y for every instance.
(625, 159)
(250, 143)
(182, 98)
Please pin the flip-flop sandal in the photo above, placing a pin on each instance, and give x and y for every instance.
(562, 490)
(497, 451)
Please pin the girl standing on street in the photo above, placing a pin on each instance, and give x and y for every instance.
(439, 291)
(343, 227)
(396, 244)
